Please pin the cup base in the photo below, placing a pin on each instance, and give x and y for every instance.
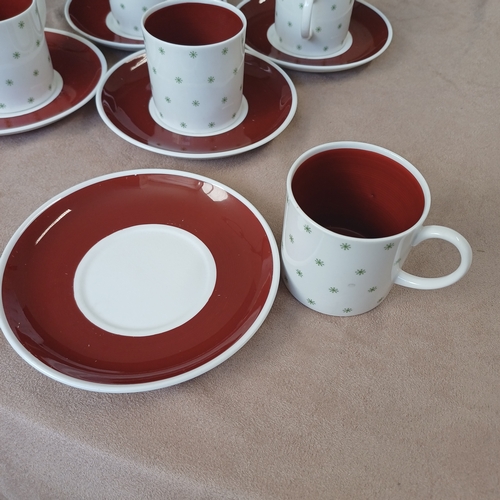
(112, 25)
(273, 39)
(57, 85)
(240, 116)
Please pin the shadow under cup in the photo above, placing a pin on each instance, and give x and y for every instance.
(193, 24)
(358, 193)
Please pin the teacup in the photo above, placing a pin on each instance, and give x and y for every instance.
(353, 213)
(28, 80)
(196, 54)
(125, 16)
(312, 28)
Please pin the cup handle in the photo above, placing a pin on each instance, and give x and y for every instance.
(442, 233)
(305, 26)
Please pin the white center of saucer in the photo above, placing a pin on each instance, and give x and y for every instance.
(144, 280)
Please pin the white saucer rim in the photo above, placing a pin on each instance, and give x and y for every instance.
(335, 67)
(32, 360)
(75, 107)
(108, 43)
(196, 156)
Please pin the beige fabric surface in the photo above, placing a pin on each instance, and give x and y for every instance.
(400, 403)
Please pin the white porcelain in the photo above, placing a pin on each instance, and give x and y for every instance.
(345, 275)
(125, 16)
(28, 80)
(197, 88)
(312, 28)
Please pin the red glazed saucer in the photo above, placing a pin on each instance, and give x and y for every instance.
(88, 18)
(81, 65)
(123, 98)
(371, 34)
(56, 269)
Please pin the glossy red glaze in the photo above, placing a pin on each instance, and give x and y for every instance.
(90, 17)
(358, 193)
(127, 92)
(37, 288)
(80, 69)
(368, 30)
(193, 24)
(12, 8)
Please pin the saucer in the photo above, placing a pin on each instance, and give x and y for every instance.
(137, 280)
(82, 67)
(371, 35)
(123, 97)
(90, 19)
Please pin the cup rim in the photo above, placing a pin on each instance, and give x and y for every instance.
(20, 13)
(216, 3)
(365, 147)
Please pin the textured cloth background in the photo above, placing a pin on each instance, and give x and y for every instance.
(399, 403)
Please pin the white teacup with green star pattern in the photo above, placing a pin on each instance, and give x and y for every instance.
(27, 78)
(311, 28)
(195, 54)
(353, 212)
(125, 16)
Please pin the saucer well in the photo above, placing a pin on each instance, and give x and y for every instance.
(90, 18)
(370, 29)
(82, 67)
(123, 97)
(137, 280)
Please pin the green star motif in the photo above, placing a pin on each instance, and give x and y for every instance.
(9, 82)
(144, 9)
(183, 125)
(136, 28)
(2, 105)
(289, 24)
(311, 302)
(332, 289)
(122, 6)
(345, 246)
(178, 79)
(16, 55)
(372, 289)
(325, 48)
(235, 70)
(339, 26)
(38, 42)
(211, 125)
(299, 47)
(196, 103)
(36, 72)
(299, 273)
(307, 229)
(301, 5)
(389, 246)
(291, 238)
(224, 100)
(319, 262)
(318, 29)
(193, 54)
(167, 99)
(347, 310)
(21, 24)
(334, 7)
(161, 50)
(224, 51)
(154, 70)
(31, 99)
(211, 79)
(234, 115)
(360, 272)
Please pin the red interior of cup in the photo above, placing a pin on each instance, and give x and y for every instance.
(358, 193)
(193, 23)
(12, 8)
